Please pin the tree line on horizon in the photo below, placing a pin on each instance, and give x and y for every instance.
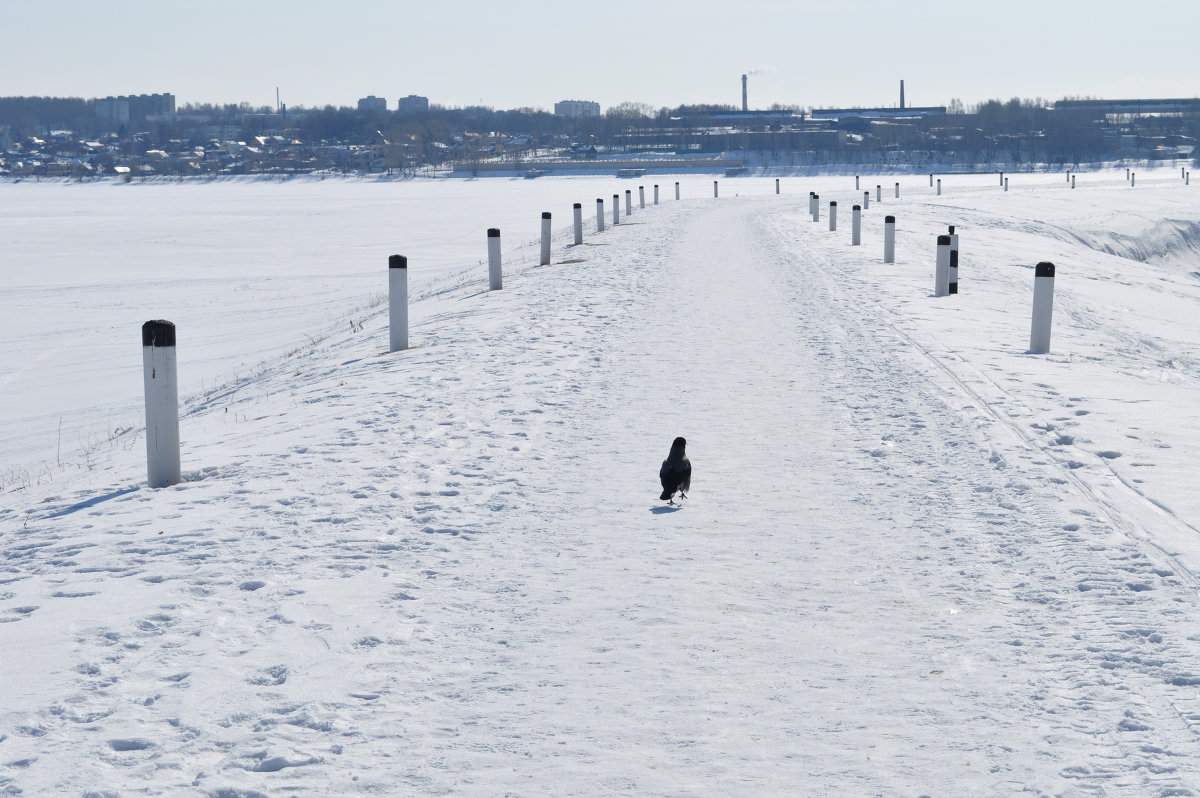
(994, 130)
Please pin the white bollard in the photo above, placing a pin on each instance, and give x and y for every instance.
(641, 198)
(628, 202)
(889, 239)
(599, 215)
(1002, 178)
(1006, 184)
(1132, 179)
(398, 302)
(1126, 174)
(676, 190)
(656, 193)
(1072, 181)
(545, 259)
(1043, 308)
(812, 205)
(856, 183)
(816, 207)
(856, 226)
(1068, 175)
(578, 211)
(616, 208)
(833, 215)
(897, 191)
(866, 200)
(495, 276)
(939, 187)
(878, 193)
(715, 192)
(931, 181)
(777, 185)
(162, 403)
(952, 284)
(941, 274)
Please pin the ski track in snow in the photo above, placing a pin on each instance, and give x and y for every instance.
(444, 572)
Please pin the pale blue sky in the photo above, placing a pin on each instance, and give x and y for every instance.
(514, 54)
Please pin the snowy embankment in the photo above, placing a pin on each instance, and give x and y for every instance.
(916, 561)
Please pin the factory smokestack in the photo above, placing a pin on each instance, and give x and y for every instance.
(745, 101)
(902, 95)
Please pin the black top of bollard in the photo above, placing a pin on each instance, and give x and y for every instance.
(833, 203)
(397, 262)
(951, 229)
(545, 214)
(889, 220)
(493, 232)
(1044, 269)
(577, 205)
(856, 208)
(943, 241)
(158, 333)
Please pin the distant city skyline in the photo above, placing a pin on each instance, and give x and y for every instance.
(666, 53)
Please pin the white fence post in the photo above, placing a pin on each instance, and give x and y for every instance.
(578, 213)
(777, 185)
(616, 208)
(856, 188)
(715, 190)
(941, 274)
(816, 207)
(656, 193)
(866, 200)
(599, 215)
(676, 189)
(1006, 184)
(495, 276)
(952, 285)
(939, 187)
(398, 302)
(889, 239)
(1043, 308)
(897, 191)
(1132, 179)
(833, 215)
(641, 198)
(162, 403)
(629, 202)
(856, 225)
(545, 259)
(1072, 181)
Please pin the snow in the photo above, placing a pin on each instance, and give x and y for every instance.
(916, 559)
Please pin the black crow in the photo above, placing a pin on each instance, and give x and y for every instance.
(676, 472)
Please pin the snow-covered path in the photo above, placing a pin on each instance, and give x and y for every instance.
(446, 572)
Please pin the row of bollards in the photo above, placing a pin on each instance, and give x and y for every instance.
(946, 265)
(158, 336)
(159, 352)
